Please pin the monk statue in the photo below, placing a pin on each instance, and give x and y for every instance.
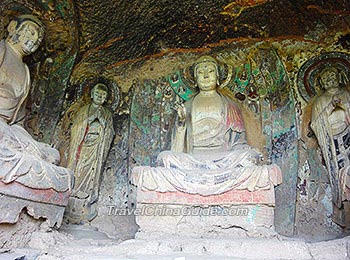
(22, 159)
(91, 137)
(330, 121)
(209, 154)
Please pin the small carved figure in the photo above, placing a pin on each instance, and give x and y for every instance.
(209, 154)
(91, 136)
(330, 122)
(22, 159)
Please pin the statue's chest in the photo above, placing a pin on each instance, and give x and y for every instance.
(207, 108)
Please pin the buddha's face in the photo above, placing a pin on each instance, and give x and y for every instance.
(26, 37)
(99, 96)
(206, 76)
(330, 79)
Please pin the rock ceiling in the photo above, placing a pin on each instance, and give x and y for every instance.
(122, 31)
(128, 30)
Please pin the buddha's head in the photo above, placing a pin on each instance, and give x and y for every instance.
(25, 34)
(206, 73)
(329, 78)
(99, 94)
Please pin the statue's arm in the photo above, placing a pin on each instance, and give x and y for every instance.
(240, 138)
(2, 58)
(20, 112)
(178, 142)
(2, 52)
(178, 138)
(319, 111)
(108, 135)
(77, 133)
(236, 138)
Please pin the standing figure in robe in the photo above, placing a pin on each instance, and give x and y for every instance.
(23, 159)
(91, 137)
(209, 154)
(330, 121)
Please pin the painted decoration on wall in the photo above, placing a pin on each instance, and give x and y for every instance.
(151, 121)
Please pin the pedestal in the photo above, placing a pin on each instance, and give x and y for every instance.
(233, 213)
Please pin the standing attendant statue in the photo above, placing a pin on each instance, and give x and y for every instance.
(330, 122)
(91, 137)
(209, 154)
(23, 159)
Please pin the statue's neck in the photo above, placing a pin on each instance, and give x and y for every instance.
(95, 106)
(208, 93)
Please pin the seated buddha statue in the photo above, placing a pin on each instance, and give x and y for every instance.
(22, 159)
(209, 154)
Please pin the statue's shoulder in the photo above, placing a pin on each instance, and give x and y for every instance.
(188, 103)
(321, 101)
(2, 45)
(84, 109)
(77, 113)
(228, 100)
(108, 112)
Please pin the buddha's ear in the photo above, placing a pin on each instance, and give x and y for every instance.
(11, 28)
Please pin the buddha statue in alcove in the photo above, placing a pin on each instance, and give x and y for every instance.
(90, 140)
(209, 154)
(330, 122)
(22, 159)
